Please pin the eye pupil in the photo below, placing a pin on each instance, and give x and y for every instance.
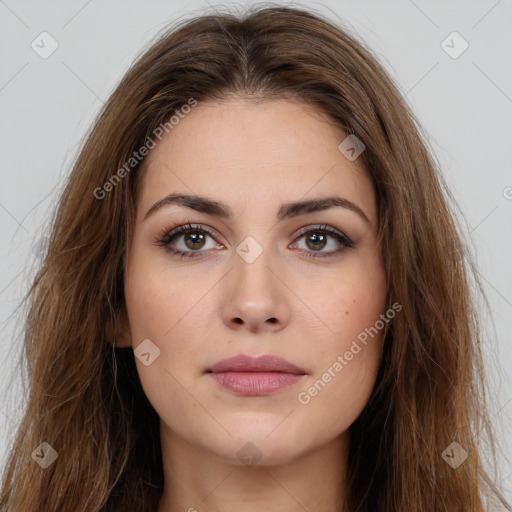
(197, 239)
(194, 239)
(319, 242)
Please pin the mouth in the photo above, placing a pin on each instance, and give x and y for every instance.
(258, 376)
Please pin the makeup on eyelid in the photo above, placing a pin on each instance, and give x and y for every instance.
(169, 234)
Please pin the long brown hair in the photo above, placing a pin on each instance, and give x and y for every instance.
(84, 396)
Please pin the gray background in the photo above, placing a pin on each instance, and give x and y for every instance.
(464, 104)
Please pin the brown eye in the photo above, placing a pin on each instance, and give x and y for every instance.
(188, 240)
(194, 240)
(316, 241)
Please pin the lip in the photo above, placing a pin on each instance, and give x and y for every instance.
(255, 376)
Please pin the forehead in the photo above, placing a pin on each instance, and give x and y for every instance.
(249, 153)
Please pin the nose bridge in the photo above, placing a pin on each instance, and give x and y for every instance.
(256, 296)
(252, 262)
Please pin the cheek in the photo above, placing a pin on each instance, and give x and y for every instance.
(161, 316)
(348, 357)
(344, 377)
(339, 396)
(158, 300)
(170, 320)
(349, 303)
(165, 310)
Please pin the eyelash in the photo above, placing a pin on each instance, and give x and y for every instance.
(168, 234)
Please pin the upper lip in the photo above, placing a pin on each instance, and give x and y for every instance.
(245, 363)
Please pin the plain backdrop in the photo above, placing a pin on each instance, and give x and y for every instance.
(463, 99)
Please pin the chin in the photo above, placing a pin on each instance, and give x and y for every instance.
(253, 447)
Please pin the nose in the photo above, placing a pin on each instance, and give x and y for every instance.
(255, 298)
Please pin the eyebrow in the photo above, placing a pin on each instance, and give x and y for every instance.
(286, 210)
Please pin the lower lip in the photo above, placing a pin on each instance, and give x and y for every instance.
(255, 383)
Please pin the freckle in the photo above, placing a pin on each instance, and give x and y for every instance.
(346, 312)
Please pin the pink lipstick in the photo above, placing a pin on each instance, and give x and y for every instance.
(252, 376)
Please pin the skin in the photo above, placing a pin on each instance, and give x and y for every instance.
(197, 311)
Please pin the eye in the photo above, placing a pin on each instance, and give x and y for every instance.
(317, 238)
(190, 240)
(193, 240)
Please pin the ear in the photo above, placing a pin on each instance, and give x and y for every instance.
(119, 333)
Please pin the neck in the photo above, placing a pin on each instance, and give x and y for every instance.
(196, 479)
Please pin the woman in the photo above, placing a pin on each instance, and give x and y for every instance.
(255, 294)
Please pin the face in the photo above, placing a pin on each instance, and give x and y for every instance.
(255, 278)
